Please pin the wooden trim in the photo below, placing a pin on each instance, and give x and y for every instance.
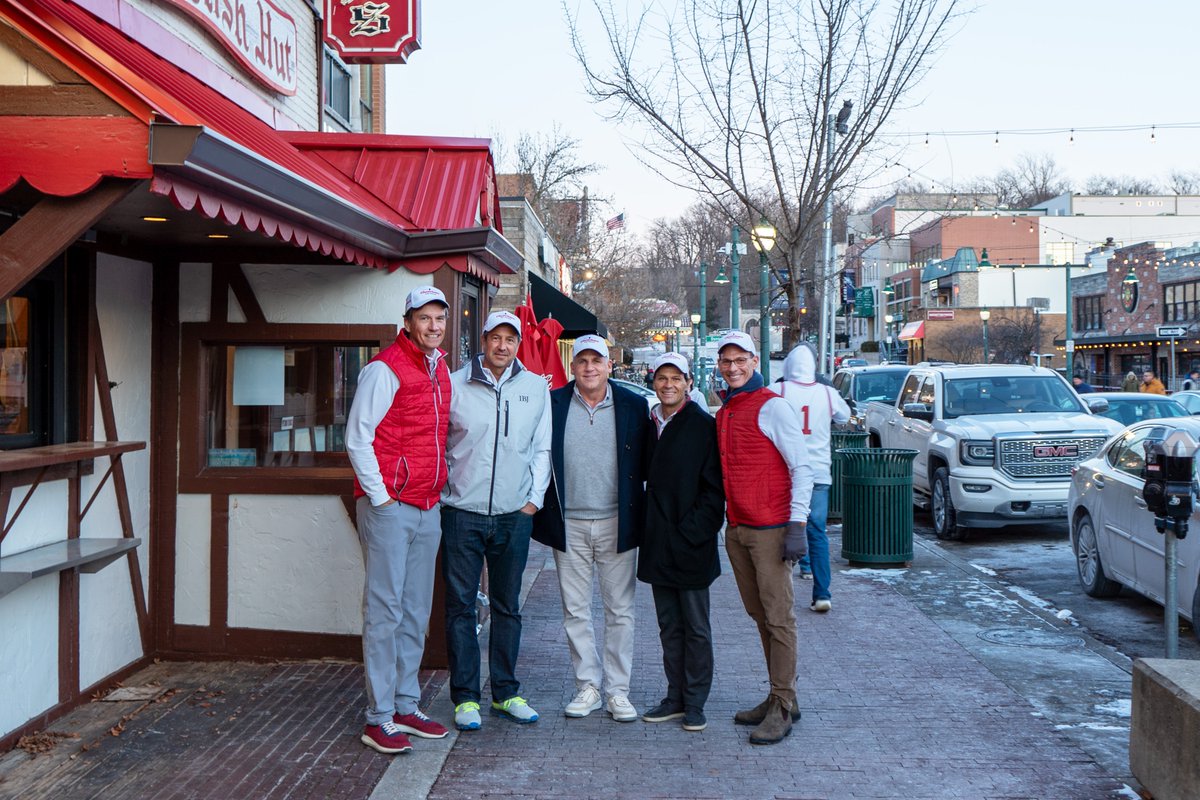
(49, 228)
(43, 720)
(218, 576)
(194, 641)
(218, 293)
(63, 100)
(68, 606)
(164, 432)
(244, 293)
(38, 58)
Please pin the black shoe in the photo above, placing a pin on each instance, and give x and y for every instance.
(693, 720)
(664, 711)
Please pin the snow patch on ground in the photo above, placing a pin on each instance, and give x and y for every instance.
(1064, 613)
(1030, 597)
(1117, 708)
(1092, 726)
(882, 575)
(983, 569)
(1127, 791)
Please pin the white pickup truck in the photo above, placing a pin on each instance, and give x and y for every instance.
(995, 444)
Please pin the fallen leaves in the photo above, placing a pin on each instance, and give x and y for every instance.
(43, 741)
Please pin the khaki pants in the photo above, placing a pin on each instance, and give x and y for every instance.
(764, 581)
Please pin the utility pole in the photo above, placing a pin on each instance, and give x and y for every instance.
(834, 125)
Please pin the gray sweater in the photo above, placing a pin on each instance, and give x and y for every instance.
(590, 460)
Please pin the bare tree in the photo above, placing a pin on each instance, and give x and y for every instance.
(1034, 178)
(1184, 181)
(738, 112)
(1120, 184)
(1015, 337)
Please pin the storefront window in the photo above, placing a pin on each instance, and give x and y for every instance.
(1089, 313)
(470, 326)
(337, 87)
(15, 400)
(1180, 302)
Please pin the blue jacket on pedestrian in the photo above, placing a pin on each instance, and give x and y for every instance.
(633, 426)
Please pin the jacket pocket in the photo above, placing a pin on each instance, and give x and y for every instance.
(400, 476)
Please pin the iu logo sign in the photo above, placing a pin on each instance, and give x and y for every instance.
(1056, 451)
(373, 31)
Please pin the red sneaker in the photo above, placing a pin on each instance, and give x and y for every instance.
(386, 738)
(418, 724)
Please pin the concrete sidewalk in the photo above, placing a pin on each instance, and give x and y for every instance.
(930, 682)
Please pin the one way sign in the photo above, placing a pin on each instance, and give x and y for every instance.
(1170, 331)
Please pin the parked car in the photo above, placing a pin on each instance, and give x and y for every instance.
(1112, 532)
(1129, 408)
(1189, 399)
(859, 385)
(638, 388)
(854, 362)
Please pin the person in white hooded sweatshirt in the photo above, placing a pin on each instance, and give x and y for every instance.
(818, 406)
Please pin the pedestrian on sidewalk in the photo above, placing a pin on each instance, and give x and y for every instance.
(498, 455)
(768, 484)
(593, 516)
(396, 441)
(678, 557)
(1151, 384)
(817, 406)
(1131, 382)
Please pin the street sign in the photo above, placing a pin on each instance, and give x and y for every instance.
(1170, 331)
(939, 313)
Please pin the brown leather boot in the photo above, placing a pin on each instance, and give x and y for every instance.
(776, 725)
(755, 716)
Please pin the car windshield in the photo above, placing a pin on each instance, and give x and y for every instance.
(1188, 400)
(883, 386)
(1008, 395)
(1128, 410)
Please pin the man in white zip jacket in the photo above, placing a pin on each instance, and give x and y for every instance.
(498, 453)
(817, 406)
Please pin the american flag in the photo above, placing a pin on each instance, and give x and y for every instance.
(616, 223)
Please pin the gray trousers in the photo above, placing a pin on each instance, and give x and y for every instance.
(400, 546)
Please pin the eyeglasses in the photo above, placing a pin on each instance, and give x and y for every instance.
(740, 361)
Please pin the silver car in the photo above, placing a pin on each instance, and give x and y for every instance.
(1112, 532)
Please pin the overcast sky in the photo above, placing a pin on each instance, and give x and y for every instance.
(488, 69)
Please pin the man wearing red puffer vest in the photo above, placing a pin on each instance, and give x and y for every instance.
(768, 483)
(396, 440)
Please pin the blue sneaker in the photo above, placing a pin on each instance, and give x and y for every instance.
(516, 709)
(466, 717)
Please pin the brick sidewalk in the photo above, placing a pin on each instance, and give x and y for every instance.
(893, 708)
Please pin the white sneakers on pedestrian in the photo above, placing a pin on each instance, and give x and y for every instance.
(820, 606)
(621, 709)
(584, 703)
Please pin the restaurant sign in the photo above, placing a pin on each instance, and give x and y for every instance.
(373, 31)
(257, 33)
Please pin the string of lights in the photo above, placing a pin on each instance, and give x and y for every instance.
(996, 133)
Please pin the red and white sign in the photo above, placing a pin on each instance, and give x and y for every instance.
(939, 313)
(257, 33)
(373, 31)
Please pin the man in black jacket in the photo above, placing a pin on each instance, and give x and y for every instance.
(592, 517)
(685, 504)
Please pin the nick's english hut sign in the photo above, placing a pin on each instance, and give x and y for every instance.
(260, 35)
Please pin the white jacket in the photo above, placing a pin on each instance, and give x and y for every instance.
(498, 447)
(817, 405)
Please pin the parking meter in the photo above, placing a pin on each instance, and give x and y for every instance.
(1170, 475)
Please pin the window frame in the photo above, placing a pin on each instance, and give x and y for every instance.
(195, 476)
(332, 63)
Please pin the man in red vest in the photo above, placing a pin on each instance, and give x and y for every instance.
(396, 440)
(768, 483)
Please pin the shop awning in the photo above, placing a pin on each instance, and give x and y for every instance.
(575, 319)
(912, 330)
(355, 197)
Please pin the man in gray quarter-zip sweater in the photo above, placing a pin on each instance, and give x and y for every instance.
(498, 453)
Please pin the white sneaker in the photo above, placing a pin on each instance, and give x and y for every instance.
(621, 709)
(820, 606)
(585, 702)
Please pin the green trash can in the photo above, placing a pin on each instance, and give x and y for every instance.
(840, 440)
(877, 505)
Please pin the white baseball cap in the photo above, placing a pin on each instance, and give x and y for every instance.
(498, 318)
(423, 295)
(590, 341)
(738, 339)
(674, 359)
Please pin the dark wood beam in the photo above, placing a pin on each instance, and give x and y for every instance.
(49, 228)
(62, 100)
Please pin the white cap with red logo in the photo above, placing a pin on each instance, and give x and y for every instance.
(498, 318)
(738, 339)
(591, 342)
(424, 295)
(673, 359)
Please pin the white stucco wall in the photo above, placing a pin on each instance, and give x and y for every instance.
(294, 565)
(29, 655)
(332, 294)
(193, 558)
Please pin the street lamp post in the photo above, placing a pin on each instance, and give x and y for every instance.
(985, 315)
(696, 326)
(834, 124)
(888, 319)
(764, 240)
(678, 325)
(735, 296)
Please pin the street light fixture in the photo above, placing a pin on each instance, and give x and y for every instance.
(835, 124)
(764, 240)
(985, 315)
(696, 350)
(888, 319)
(678, 325)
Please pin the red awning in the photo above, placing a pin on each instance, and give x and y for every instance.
(913, 330)
(356, 197)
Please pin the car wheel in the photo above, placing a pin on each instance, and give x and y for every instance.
(1088, 564)
(941, 507)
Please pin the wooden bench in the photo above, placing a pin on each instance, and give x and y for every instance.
(88, 554)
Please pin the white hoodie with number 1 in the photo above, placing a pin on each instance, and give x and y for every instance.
(817, 406)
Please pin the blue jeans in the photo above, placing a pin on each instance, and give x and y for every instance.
(817, 559)
(468, 540)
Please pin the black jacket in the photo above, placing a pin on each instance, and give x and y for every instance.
(634, 428)
(685, 503)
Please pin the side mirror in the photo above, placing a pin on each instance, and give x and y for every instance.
(1097, 405)
(918, 411)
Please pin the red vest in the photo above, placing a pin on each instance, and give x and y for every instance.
(410, 440)
(758, 486)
